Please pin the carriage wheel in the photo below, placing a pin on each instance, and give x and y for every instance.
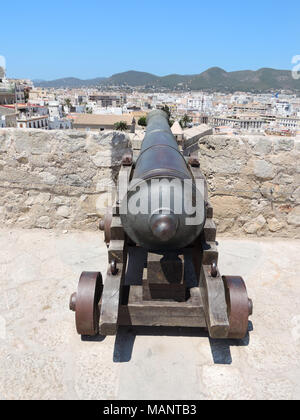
(239, 306)
(105, 225)
(85, 303)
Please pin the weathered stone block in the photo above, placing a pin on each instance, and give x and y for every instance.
(255, 225)
(261, 145)
(263, 170)
(294, 217)
(274, 225)
(43, 222)
(63, 211)
(283, 144)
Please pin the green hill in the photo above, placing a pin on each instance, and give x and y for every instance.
(215, 78)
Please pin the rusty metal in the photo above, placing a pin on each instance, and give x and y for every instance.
(113, 268)
(86, 303)
(194, 162)
(250, 307)
(214, 269)
(105, 224)
(239, 306)
(72, 304)
(127, 159)
(181, 285)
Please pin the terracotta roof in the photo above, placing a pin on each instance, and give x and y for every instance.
(106, 119)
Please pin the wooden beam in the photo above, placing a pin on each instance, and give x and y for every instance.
(210, 253)
(214, 303)
(162, 313)
(110, 303)
(210, 231)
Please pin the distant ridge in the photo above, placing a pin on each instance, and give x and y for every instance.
(215, 78)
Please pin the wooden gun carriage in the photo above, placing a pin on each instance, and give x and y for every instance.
(160, 271)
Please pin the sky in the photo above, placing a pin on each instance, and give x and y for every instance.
(93, 38)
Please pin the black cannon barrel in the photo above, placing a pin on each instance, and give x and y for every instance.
(158, 188)
(160, 155)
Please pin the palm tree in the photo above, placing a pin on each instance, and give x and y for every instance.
(185, 120)
(121, 126)
(142, 122)
(68, 103)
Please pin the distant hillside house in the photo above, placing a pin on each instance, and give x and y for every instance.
(102, 122)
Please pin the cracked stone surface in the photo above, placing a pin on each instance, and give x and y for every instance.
(42, 357)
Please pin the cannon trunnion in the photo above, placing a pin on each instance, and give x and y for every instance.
(162, 271)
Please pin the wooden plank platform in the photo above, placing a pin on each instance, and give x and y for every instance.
(162, 313)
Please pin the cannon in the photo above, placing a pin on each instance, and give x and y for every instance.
(162, 250)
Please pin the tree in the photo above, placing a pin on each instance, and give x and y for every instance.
(142, 122)
(26, 94)
(168, 112)
(121, 126)
(68, 103)
(185, 120)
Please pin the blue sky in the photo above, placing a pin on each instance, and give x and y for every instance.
(86, 39)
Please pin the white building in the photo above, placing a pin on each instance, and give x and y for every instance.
(57, 123)
(33, 121)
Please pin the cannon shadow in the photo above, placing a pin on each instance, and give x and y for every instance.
(220, 349)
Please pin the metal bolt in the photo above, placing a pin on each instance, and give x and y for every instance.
(250, 307)
(72, 304)
(214, 269)
(113, 268)
(101, 224)
(194, 162)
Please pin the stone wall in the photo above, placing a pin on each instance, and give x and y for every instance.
(57, 179)
(254, 184)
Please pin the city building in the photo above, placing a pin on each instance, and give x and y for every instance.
(7, 89)
(102, 122)
(108, 100)
(8, 117)
(177, 132)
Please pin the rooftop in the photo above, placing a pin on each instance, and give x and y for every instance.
(101, 119)
(196, 130)
(176, 129)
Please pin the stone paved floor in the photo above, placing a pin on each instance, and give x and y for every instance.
(41, 357)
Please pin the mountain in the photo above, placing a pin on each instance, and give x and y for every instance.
(215, 78)
(133, 78)
(70, 82)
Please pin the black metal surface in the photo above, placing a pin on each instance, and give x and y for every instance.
(161, 159)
